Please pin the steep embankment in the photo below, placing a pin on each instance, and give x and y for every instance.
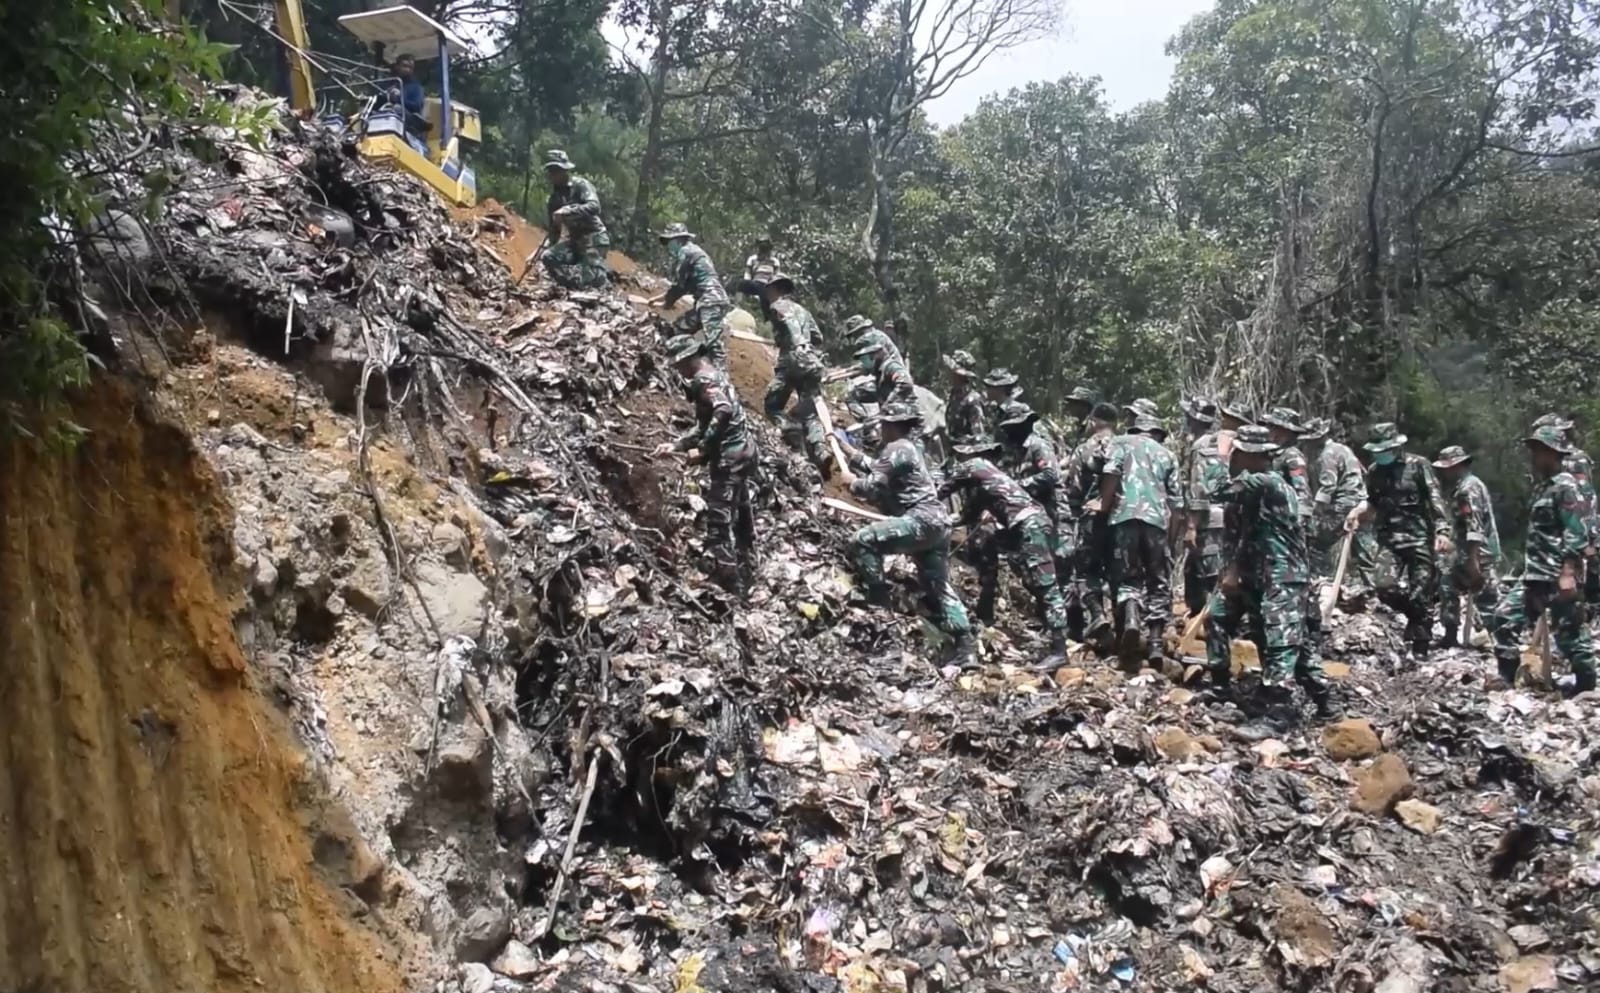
(157, 823)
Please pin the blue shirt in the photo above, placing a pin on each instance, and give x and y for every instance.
(411, 96)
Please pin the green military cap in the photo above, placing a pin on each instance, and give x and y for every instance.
(1384, 437)
(1000, 377)
(900, 412)
(1315, 429)
(1016, 412)
(1082, 394)
(1254, 438)
(961, 363)
(675, 230)
(1148, 424)
(682, 346)
(1202, 409)
(977, 447)
(1450, 456)
(557, 159)
(1282, 417)
(1550, 437)
(855, 324)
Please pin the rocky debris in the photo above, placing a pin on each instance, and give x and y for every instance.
(579, 760)
(1420, 817)
(1352, 738)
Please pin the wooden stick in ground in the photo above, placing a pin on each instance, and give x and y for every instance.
(1194, 624)
(845, 507)
(827, 425)
(1330, 596)
(1541, 647)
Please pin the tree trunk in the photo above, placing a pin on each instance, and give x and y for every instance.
(650, 164)
(880, 232)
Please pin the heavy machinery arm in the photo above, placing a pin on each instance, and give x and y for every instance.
(291, 21)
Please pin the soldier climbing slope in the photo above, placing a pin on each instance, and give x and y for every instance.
(894, 383)
(858, 331)
(1471, 570)
(898, 484)
(965, 416)
(1338, 485)
(693, 274)
(1552, 581)
(723, 444)
(1267, 575)
(1023, 538)
(1030, 457)
(1086, 541)
(1143, 501)
(798, 370)
(1204, 479)
(576, 235)
(1407, 506)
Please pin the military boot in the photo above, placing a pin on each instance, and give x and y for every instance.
(964, 653)
(1449, 639)
(1058, 653)
(1508, 670)
(1131, 645)
(983, 610)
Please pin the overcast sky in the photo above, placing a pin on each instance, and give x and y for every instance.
(1121, 41)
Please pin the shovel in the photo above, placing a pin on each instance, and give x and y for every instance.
(1330, 596)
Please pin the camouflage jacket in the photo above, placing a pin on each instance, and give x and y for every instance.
(584, 216)
(984, 486)
(1291, 462)
(1582, 469)
(898, 483)
(965, 417)
(1339, 483)
(1081, 480)
(1409, 505)
(1557, 531)
(1474, 518)
(695, 274)
(721, 433)
(1265, 536)
(894, 380)
(1148, 490)
(1208, 478)
(873, 336)
(1033, 464)
(796, 334)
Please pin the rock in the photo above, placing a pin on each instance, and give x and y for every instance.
(1529, 937)
(455, 599)
(476, 978)
(1381, 785)
(1304, 936)
(464, 769)
(264, 578)
(1353, 738)
(1536, 972)
(517, 961)
(452, 544)
(1420, 817)
(482, 934)
(213, 417)
(1336, 670)
(1070, 676)
(366, 588)
(1176, 745)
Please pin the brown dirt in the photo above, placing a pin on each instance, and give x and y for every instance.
(512, 248)
(157, 822)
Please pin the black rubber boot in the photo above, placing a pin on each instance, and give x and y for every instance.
(1508, 670)
(984, 609)
(1058, 653)
(1449, 639)
(964, 653)
(1131, 642)
(1321, 696)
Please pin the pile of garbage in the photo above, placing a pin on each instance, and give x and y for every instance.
(782, 791)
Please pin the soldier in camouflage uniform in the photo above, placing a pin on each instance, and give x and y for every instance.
(1141, 407)
(1581, 466)
(1078, 406)
(798, 370)
(577, 239)
(693, 274)
(1283, 426)
(965, 416)
(1406, 505)
(898, 484)
(1205, 476)
(1267, 576)
(1030, 456)
(1338, 485)
(1558, 537)
(999, 386)
(1477, 541)
(1142, 498)
(721, 442)
(861, 400)
(1023, 537)
(1086, 540)
(858, 331)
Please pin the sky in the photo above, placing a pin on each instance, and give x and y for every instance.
(1121, 41)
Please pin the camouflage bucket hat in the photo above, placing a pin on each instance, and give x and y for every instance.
(962, 363)
(557, 159)
(855, 324)
(977, 447)
(1201, 409)
(1253, 438)
(1143, 406)
(779, 281)
(675, 231)
(1553, 420)
(1082, 394)
(682, 346)
(1550, 437)
(1000, 377)
(1017, 413)
(901, 412)
(1235, 410)
(1450, 456)
(1384, 437)
(1315, 429)
(1282, 417)
(1148, 424)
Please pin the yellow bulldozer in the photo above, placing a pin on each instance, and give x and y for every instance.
(427, 142)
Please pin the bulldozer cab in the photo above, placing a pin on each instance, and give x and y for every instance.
(428, 145)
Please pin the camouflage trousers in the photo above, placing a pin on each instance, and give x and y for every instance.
(1519, 611)
(1455, 582)
(1027, 545)
(1086, 547)
(788, 381)
(1326, 536)
(1201, 569)
(1276, 619)
(1141, 570)
(928, 544)
(1414, 563)
(706, 320)
(730, 519)
(577, 267)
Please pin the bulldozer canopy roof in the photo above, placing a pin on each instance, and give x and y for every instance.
(403, 30)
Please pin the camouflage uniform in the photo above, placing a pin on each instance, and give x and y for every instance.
(1558, 535)
(861, 400)
(1268, 551)
(1001, 379)
(1410, 515)
(1024, 537)
(858, 331)
(729, 452)
(965, 414)
(895, 384)
(1085, 537)
(1030, 457)
(798, 370)
(1475, 533)
(1207, 478)
(1149, 493)
(693, 274)
(899, 484)
(1339, 484)
(1581, 467)
(579, 261)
